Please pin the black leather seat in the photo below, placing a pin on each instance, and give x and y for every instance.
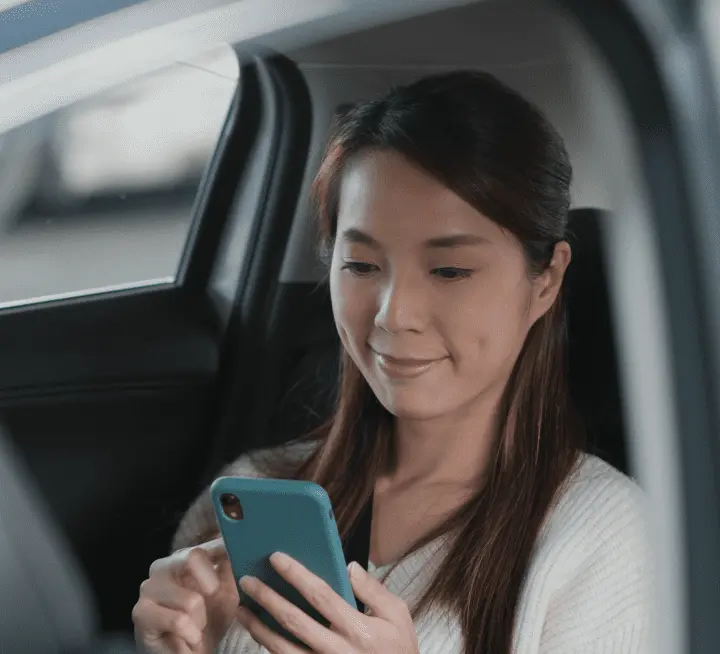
(45, 603)
(592, 352)
(593, 373)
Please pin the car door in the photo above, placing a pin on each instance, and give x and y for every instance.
(661, 55)
(140, 237)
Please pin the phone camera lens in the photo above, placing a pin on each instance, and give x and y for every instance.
(231, 506)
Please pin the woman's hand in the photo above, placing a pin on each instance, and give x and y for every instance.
(188, 603)
(389, 629)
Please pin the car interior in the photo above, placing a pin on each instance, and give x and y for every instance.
(119, 407)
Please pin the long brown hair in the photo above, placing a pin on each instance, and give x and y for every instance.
(499, 153)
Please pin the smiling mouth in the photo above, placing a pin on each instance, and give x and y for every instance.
(403, 368)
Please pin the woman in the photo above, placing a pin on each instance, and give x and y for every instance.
(443, 207)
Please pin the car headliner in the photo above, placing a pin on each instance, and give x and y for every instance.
(79, 47)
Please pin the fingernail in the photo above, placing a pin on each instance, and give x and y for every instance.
(247, 582)
(278, 558)
(208, 580)
(353, 569)
(205, 576)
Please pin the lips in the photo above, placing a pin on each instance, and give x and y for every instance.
(404, 367)
(405, 361)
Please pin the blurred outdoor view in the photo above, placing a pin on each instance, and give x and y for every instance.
(99, 195)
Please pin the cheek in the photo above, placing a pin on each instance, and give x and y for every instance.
(488, 325)
(350, 310)
(339, 304)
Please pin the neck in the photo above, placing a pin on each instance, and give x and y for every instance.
(453, 448)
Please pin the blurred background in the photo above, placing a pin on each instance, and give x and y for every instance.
(99, 194)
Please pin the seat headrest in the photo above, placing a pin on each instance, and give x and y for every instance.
(592, 352)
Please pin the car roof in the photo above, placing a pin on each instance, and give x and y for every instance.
(116, 40)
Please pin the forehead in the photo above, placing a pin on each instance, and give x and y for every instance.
(381, 192)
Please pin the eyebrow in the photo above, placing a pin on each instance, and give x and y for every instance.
(354, 235)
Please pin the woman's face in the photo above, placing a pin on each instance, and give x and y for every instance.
(432, 300)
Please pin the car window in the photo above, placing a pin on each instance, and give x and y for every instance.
(709, 11)
(99, 195)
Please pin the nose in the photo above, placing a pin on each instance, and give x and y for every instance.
(402, 307)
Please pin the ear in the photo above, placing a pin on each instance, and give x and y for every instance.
(547, 285)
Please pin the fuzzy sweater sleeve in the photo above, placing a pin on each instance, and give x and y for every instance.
(199, 525)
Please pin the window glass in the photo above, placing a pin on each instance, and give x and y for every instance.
(709, 11)
(99, 195)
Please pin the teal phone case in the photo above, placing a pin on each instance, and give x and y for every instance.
(294, 517)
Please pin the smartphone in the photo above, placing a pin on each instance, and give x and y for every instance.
(257, 517)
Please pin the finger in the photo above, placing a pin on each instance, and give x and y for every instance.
(176, 597)
(215, 550)
(150, 645)
(175, 645)
(291, 618)
(225, 573)
(271, 640)
(153, 622)
(374, 595)
(198, 572)
(179, 646)
(317, 592)
(214, 547)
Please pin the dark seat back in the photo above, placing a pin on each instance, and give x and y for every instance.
(45, 603)
(592, 352)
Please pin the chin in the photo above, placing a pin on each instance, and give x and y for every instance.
(412, 405)
(413, 413)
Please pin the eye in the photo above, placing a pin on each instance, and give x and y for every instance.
(359, 268)
(452, 274)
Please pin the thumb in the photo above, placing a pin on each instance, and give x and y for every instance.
(221, 606)
(372, 593)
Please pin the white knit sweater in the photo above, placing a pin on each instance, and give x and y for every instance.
(588, 589)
